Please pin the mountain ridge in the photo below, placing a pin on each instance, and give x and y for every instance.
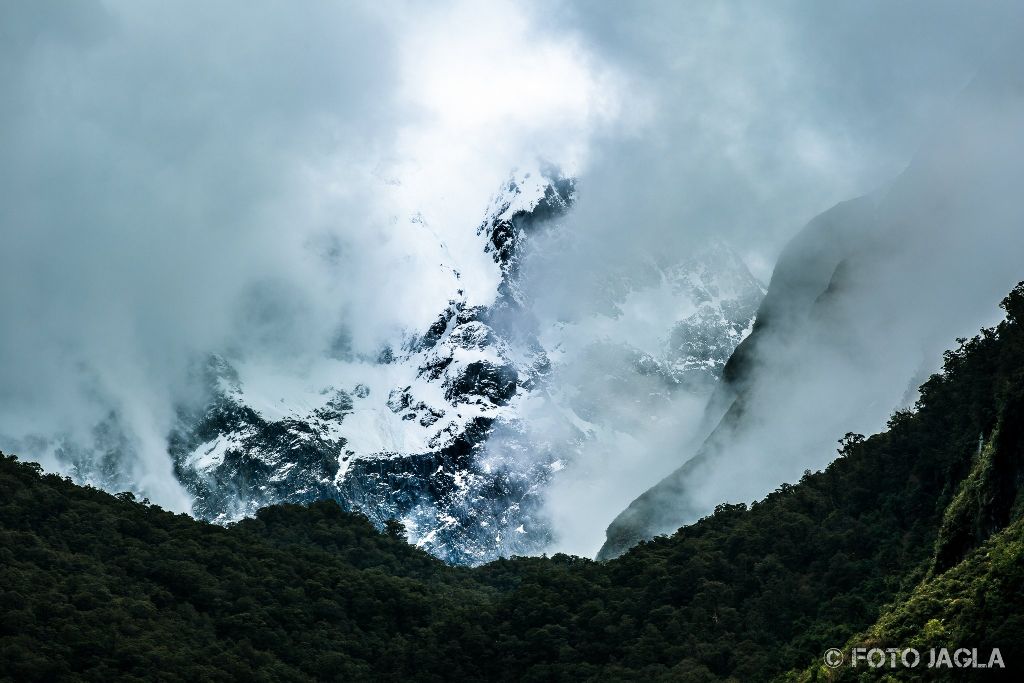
(434, 432)
(96, 586)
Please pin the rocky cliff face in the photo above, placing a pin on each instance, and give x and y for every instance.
(458, 430)
(433, 432)
(401, 436)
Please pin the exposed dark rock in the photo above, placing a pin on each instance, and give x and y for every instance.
(482, 378)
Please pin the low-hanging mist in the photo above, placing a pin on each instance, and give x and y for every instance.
(285, 185)
(857, 309)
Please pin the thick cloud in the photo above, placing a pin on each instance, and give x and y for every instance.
(861, 306)
(744, 121)
(292, 180)
(156, 166)
(192, 177)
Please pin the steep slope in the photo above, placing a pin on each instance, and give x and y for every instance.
(437, 431)
(95, 587)
(855, 310)
(400, 436)
(457, 430)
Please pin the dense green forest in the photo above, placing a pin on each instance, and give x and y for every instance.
(912, 537)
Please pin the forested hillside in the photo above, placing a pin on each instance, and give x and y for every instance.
(910, 536)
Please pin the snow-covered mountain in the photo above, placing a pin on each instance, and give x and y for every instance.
(433, 431)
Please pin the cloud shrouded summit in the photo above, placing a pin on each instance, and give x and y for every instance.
(280, 182)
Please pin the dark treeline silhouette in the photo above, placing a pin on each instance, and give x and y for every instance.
(911, 536)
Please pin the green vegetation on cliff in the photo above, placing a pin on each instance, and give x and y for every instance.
(910, 536)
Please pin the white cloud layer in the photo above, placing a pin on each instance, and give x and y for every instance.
(182, 177)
